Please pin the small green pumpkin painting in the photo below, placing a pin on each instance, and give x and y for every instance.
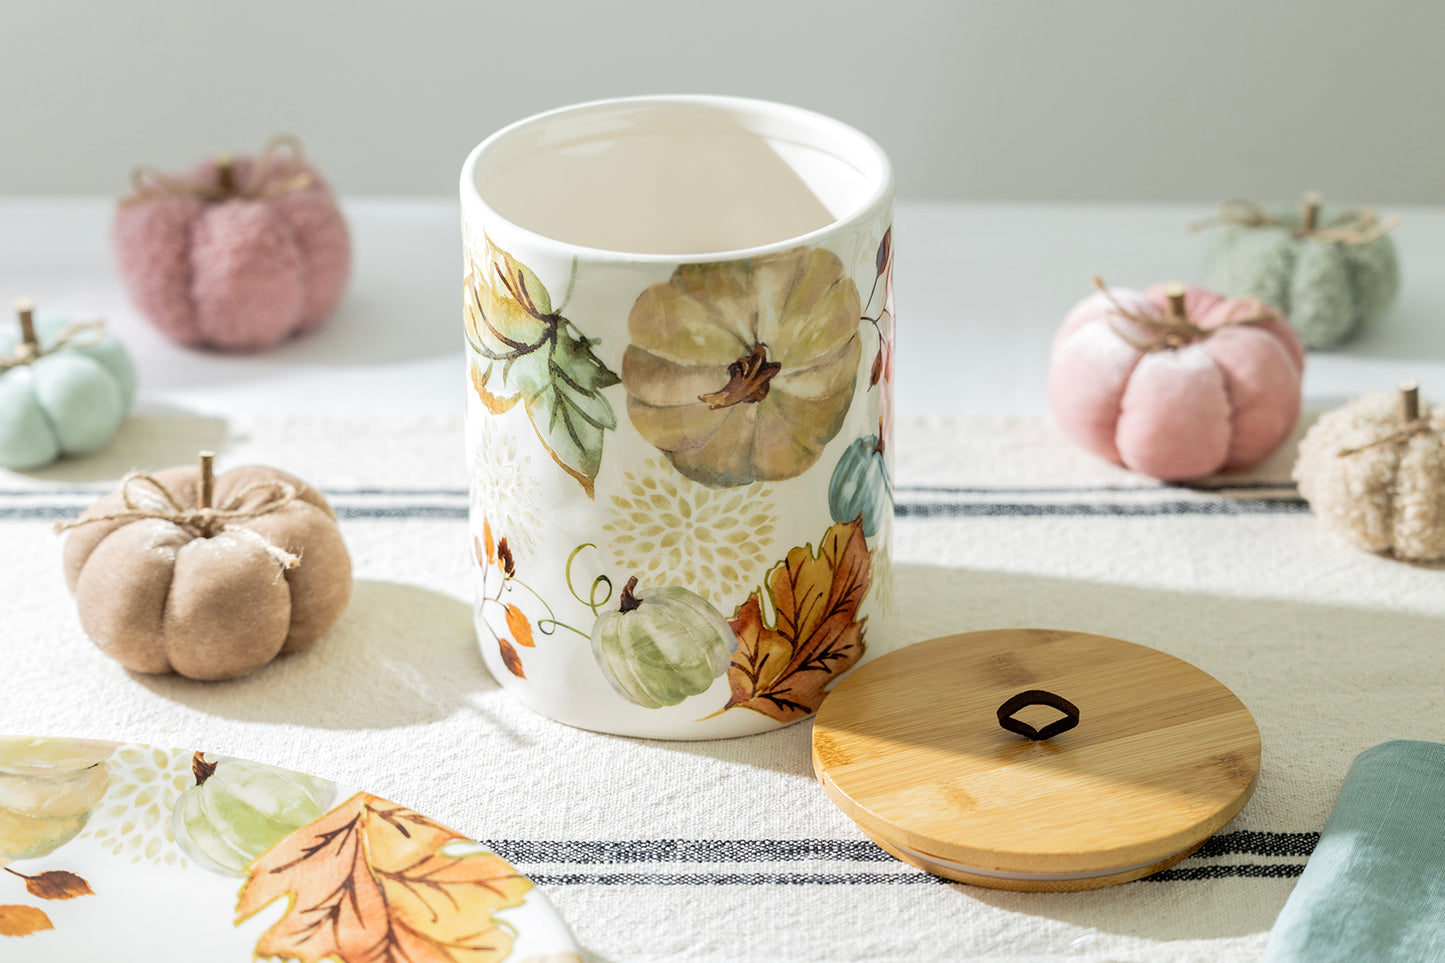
(1332, 271)
(64, 390)
(861, 487)
(237, 810)
(662, 645)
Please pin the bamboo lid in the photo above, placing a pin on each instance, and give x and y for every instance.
(926, 748)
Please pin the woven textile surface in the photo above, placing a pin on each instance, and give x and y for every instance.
(729, 851)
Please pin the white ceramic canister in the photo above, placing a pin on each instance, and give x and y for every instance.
(680, 331)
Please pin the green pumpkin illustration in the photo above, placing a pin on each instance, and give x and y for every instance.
(860, 485)
(662, 645)
(237, 810)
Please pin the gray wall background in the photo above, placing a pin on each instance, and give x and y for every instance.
(974, 99)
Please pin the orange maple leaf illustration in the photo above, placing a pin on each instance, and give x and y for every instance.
(783, 670)
(369, 883)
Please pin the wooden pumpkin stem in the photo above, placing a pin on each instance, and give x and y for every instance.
(748, 379)
(226, 173)
(1409, 401)
(205, 492)
(201, 769)
(629, 601)
(25, 311)
(1175, 293)
(1310, 215)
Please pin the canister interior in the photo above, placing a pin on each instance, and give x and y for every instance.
(678, 176)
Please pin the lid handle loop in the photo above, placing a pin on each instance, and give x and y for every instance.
(1038, 697)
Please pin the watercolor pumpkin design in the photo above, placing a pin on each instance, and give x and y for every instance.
(742, 371)
(662, 645)
(860, 486)
(238, 809)
(527, 352)
(359, 880)
(48, 789)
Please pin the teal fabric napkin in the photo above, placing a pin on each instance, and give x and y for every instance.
(1374, 889)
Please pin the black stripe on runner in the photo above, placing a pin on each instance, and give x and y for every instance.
(94, 492)
(60, 513)
(1234, 506)
(729, 879)
(1182, 874)
(1244, 506)
(1175, 875)
(584, 851)
(1257, 486)
(1259, 844)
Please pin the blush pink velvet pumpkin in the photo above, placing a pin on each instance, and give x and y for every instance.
(238, 254)
(1221, 396)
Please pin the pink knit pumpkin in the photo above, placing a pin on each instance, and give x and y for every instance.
(1176, 388)
(224, 258)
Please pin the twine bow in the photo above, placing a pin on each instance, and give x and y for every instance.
(1173, 329)
(1356, 227)
(268, 179)
(1399, 434)
(202, 522)
(1413, 423)
(78, 334)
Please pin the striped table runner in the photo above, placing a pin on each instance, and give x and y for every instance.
(728, 851)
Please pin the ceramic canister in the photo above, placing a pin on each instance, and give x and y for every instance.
(680, 330)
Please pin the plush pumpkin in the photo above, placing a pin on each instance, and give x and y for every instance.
(1176, 382)
(64, 389)
(742, 371)
(239, 254)
(662, 645)
(1332, 271)
(237, 810)
(1374, 472)
(164, 582)
(48, 788)
(860, 487)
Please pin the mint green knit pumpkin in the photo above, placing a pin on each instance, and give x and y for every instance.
(70, 400)
(1330, 290)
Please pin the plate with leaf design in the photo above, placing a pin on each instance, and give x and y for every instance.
(129, 852)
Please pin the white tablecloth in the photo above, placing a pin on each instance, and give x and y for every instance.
(729, 851)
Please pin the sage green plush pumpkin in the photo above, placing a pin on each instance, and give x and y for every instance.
(662, 645)
(59, 395)
(1323, 267)
(237, 810)
(860, 486)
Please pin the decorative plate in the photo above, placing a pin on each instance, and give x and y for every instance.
(112, 851)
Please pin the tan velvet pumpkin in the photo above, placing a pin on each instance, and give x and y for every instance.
(211, 596)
